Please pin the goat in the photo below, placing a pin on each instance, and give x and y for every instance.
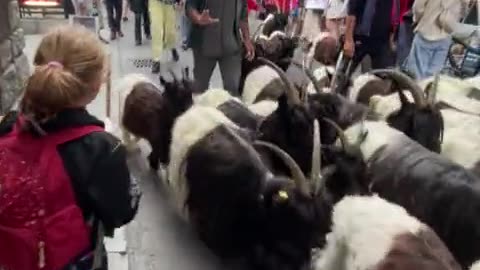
(255, 76)
(370, 233)
(236, 205)
(440, 193)
(458, 116)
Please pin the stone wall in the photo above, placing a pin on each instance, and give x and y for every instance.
(14, 65)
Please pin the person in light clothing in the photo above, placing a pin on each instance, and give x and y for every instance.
(313, 23)
(435, 20)
(335, 14)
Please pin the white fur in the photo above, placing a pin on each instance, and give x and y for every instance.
(319, 74)
(359, 83)
(263, 108)
(450, 84)
(123, 88)
(379, 134)
(475, 266)
(461, 132)
(188, 129)
(363, 231)
(256, 81)
(272, 35)
(214, 97)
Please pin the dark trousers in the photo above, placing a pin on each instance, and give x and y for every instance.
(378, 50)
(114, 13)
(138, 24)
(404, 42)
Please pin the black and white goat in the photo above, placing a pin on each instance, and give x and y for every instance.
(440, 193)
(461, 121)
(370, 233)
(236, 205)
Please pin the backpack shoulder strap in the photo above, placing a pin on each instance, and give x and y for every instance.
(70, 134)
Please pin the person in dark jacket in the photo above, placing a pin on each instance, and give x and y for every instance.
(70, 68)
(368, 29)
(140, 8)
(114, 13)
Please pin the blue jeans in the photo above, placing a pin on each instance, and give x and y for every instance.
(427, 58)
(186, 26)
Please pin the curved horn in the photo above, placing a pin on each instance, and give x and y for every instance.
(432, 90)
(341, 135)
(297, 174)
(310, 76)
(316, 153)
(403, 81)
(254, 154)
(290, 89)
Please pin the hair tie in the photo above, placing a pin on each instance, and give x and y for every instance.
(55, 64)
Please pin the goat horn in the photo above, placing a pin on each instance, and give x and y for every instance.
(405, 82)
(310, 76)
(291, 92)
(254, 154)
(316, 153)
(341, 134)
(432, 90)
(297, 174)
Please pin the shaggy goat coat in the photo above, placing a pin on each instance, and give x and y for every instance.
(188, 129)
(369, 233)
(438, 192)
(461, 132)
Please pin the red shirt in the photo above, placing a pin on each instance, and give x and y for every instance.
(405, 5)
(252, 5)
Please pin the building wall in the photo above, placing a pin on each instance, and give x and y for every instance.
(14, 66)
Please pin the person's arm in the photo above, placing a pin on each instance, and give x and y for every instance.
(350, 23)
(244, 28)
(192, 9)
(113, 194)
(419, 9)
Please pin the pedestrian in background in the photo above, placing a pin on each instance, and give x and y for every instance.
(314, 20)
(140, 9)
(403, 30)
(335, 15)
(435, 21)
(114, 13)
(368, 29)
(219, 30)
(126, 8)
(164, 30)
(186, 25)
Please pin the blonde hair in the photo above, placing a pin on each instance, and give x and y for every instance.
(69, 61)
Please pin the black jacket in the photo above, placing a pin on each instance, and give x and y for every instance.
(96, 164)
(138, 6)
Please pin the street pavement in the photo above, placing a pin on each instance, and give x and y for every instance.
(157, 238)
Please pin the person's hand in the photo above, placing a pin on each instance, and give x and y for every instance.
(205, 19)
(349, 48)
(249, 50)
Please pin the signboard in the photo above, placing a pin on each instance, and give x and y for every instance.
(90, 22)
(40, 3)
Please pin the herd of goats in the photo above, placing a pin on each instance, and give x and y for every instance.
(381, 172)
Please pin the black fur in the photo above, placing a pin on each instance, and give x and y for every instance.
(279, 23)
(424, 126)
(237, 211)
(239, 114)
(290, 128)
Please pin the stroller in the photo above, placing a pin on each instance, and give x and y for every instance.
(463, 59)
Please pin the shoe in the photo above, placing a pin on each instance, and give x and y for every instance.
(113, 35)
(120, 34)
(149, 37)
(175, 55)
(184, 46)
(156, 67)
(138, 42)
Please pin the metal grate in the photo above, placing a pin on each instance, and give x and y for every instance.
(142, 63)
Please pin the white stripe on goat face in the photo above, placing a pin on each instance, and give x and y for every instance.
(363, 232)
(188, 129)
(379, 135)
